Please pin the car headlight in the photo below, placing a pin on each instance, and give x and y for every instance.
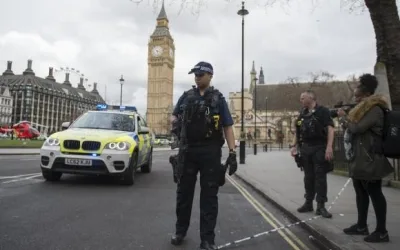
(52, 142)
(122, 146)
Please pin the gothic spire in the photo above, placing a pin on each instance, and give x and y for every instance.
(261, 77)
(253, 69)
(163, 14)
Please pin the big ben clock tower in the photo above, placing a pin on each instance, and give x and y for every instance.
(160, 85)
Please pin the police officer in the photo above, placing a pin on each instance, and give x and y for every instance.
(314, 139)
(209, 120)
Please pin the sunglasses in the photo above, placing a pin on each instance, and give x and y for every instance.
(199, 74)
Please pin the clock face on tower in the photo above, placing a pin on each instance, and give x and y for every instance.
(171, 52)
(157, 51)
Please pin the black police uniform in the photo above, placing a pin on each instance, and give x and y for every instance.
(312, 135)
(204, 138)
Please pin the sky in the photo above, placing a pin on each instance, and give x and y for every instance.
(105, 39)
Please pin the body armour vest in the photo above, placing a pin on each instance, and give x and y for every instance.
(203, 124)
(309, 129)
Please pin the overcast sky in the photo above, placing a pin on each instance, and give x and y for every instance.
(106, 38)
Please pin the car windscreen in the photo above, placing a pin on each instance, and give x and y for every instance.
(103, 120)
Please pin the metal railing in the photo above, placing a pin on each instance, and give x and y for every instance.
(341, 164)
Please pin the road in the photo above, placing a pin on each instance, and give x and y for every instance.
(82, 212)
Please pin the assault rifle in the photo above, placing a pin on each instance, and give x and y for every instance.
(180, 140)
(346, 107)
(297, 159)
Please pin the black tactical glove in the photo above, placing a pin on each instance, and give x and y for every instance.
(231, 161)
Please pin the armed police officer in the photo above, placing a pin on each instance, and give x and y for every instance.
(314, 139)
(205, 119)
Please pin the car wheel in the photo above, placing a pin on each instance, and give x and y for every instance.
(129, 174)
(49, 175)
(148, 166)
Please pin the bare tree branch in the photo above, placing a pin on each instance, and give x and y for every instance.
(321, 77)
(292, 80)
(353, 5)
(314, 78)
(327, 77)
(195, 6)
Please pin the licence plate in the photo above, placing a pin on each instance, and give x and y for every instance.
(78, 162)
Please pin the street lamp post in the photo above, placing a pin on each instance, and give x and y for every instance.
(242, 12)
(266, 124)
(121, 81)
(255, 115)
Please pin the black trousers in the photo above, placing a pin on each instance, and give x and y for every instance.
(315, 170)
(207, 161)
(364, 190)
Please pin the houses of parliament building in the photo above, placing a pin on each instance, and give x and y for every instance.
(43, 101)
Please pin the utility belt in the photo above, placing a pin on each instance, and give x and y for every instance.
(211, 141)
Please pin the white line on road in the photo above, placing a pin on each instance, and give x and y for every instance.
(17, 176)
(18, 158)
(22, 179)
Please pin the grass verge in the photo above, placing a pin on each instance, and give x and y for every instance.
(21, 144)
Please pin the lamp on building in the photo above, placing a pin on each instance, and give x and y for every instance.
(255, 115)
(242, 12)
(121, 81)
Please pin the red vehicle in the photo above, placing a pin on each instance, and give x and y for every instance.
(5, 130)
(24, 130)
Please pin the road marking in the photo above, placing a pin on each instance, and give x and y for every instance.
(29, 159)
(270, 218)
(16, 158)
(17, 176)
(22, 179)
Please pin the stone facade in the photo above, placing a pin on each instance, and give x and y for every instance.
(160, 85)
(44, 102)
(277, 106)
(6, 105)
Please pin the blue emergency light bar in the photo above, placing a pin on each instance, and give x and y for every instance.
(115, 107)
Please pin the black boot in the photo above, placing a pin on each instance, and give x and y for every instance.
(177, 239)
(207, 245)
(321, 210)
(356, 230)
(307, 207)
(377, 237)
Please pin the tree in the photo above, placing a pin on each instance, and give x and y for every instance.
(292, 80)
(320, 77)
(386, 22)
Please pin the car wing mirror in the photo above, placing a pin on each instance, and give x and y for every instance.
(65, 125)
(144, 130)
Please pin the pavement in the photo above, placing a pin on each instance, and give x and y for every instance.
(81, 212)
(276, 177)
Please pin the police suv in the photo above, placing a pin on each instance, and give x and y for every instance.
(111, 140)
